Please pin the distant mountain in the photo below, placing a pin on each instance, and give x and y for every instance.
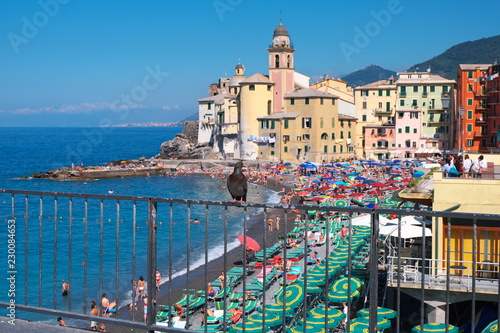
(192, 117)
(367, 75)
(481, 51)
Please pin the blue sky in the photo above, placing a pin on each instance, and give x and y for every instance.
(85, 63)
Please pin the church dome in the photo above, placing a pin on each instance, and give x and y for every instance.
(239, 66)
(235, 80)
(281, 30)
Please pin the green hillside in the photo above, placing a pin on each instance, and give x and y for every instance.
(367, 75)
(482, 51)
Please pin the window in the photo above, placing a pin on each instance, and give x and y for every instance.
(341, 149)
(306, 136)
(380, 105)
(382, 144)
(292, 101)
(469, 127)
(209, 106)
(388, 93)
(408, 143)
(401, 102)
(333, 101)
(407, 129)
(269, 87)
(269, 107)
(413, 115)
(252, 87)
(388, 106)
(364, 117)
(470, 87)
(324, 136)
(415, 88)
(285, 149)
(469, 143)
(434, 144)
(321, 122)
(341, 123)
(333, 136)
(286, 138)
(432, 88)
(306, 122)
(403, 90)
(321, 101)
(264, 124)
(380, 92)
(363, 129)
(272, 152)
(445, 90)
(374, 145)
(334, 149)
(307, 100)
(414, 144)
(277, 61)
(364, 92)
(414, 130)
(414, 103)
(272, 124)
(364, 105)
(333, 122)
(306, 149)
(470, 74)
(469, 114)
(286, 124)
(341, 134)
(299, 138)
(400, 130)
(469, 101)
(349, 134)
(325, 149)
(425, 90)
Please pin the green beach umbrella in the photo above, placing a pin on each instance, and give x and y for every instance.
(382, 323)
(491, 328)
(321, 312)
(311, 280)
(341, 203)
(338, 291)
(250, 326)
(381, 313)
(276, 309)
(434, 328)
(271, 320)
(293, 297)
(319, 322)
(309, 329)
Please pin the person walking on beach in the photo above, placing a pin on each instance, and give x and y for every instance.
(141, 285)
(270, 223)
(65, 288)
(158, 279)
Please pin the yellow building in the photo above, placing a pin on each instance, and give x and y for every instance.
(311, 129)
(375, 106)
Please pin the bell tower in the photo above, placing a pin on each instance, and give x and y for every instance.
(281, 65)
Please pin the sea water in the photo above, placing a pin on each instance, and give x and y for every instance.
(24, 151)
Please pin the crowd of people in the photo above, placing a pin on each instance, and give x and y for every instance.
(464, 167)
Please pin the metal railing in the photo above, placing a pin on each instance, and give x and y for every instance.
(97, 243)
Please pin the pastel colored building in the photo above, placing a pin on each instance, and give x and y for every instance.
(423, 114)
(375, 105)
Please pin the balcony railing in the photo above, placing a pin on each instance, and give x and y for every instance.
(98, 243)
(480, 133)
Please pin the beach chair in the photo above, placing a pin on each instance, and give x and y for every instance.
(250, 305)
(210, 328)
(224, 291)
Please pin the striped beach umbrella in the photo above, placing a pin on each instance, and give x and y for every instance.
(491, 328)
(250, 326)
(319, 322)
(322, 312)
(382, 323)
(293, 297)
(381, 313)
(434, 328)
(276, 309)
(341, 203)
(270, 320)
(309, 329)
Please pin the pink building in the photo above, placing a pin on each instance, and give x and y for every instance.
(409, 133)
(379, 141)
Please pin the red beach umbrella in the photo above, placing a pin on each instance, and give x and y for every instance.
(392, 188)
(309, 189)
(392, 182)
(281, 166)
(344, 187)
(316, 199)
(251, 243)
(360, 185)
(378, 184)
(356, 194)
(302, 193)
(324, 188)
(339, 196)
(374, 192)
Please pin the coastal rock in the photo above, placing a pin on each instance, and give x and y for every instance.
(181, 148)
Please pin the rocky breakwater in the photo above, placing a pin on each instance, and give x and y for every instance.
(59, 174)
(180, 147)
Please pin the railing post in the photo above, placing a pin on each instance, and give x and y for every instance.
(151, 287)
(373, 271)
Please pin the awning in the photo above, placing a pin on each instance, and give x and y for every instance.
(419, 151)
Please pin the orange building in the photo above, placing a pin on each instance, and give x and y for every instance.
(493, 93)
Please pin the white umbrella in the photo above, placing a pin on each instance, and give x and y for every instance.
(408, 219)
(407, 231)
(365, 220)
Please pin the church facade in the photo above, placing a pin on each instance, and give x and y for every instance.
(278, 116)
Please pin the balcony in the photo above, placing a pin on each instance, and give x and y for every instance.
(480, 134)
(481, 120)
(381, 134)
(482, 107)
(227, 129)
(382, 111)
